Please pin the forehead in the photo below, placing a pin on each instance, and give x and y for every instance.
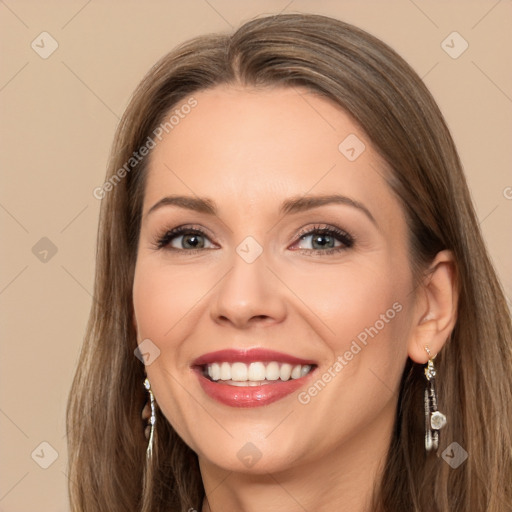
(230, 122)
(258, 146)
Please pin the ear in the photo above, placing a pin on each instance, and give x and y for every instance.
(435, 308)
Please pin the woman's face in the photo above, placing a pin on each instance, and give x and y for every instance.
(326, 285)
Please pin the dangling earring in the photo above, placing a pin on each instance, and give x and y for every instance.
(151, 421)
(434, 420)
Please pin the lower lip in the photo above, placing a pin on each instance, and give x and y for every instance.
(250, 396)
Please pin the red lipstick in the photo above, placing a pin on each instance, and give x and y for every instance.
(255, 395)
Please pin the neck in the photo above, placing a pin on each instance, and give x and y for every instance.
(342, 479)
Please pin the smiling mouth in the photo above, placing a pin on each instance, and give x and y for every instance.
(257, 373)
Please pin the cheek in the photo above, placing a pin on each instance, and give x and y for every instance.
(162, 298)
(351, 297)
(364, 313)
(163, 301)
(367, 316)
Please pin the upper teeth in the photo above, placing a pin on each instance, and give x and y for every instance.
(256, 371)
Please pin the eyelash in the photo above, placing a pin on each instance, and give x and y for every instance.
(163, 240)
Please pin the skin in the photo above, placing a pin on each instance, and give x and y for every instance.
(248, 150)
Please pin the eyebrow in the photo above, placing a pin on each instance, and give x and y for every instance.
(290, 206)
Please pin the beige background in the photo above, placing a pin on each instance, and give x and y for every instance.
(58, 119)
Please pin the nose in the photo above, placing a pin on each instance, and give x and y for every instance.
(249, 295)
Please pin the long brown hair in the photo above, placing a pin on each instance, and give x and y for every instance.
(107, 467)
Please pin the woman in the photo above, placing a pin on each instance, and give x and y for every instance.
(288, 245)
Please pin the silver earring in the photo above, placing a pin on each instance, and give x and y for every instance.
(434, 419)
(151, 420)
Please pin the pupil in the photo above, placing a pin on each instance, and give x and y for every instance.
(193, 245)
(320, 237)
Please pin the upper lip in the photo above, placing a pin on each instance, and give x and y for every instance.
(249, 355)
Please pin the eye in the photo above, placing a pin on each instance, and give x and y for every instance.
(182, 238)
(323, 240)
